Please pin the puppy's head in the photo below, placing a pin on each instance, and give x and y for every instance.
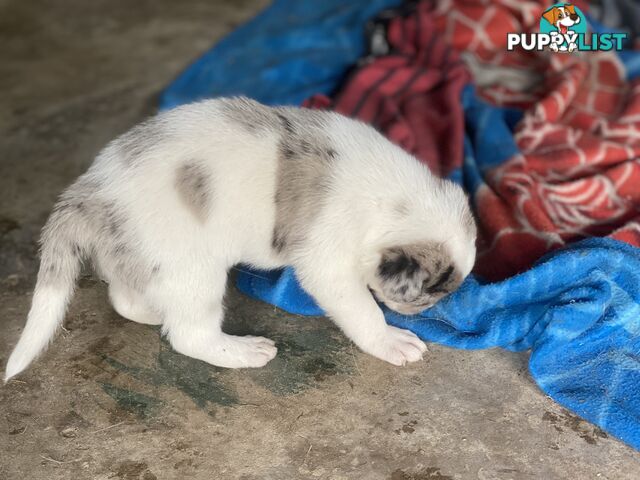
(410, 278)
(423, 250)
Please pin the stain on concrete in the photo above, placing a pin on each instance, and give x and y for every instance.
(105, 345)
(320, 368)
(201, 382)
(87, 281)
(408, 427)
(18, 256)
(82, 320)
(196, 379)
(68, 425)
(429, 473)
(185, 463)
(132, 470)
(17, 430)
(7, 225)
(133, 402)
(567, 420)
(305, 359)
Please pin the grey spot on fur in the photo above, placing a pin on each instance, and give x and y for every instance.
(254, 117)
(401, 208)
(306, 147)
(439, 285)
(133, 145)
(397, 263)
(305, 155)
(286, 124)
(417, 274)
(287, 152)
(194, 187)
(83, 225)
(115, 252)
(304, 174)
(402, 290)
(278, 241)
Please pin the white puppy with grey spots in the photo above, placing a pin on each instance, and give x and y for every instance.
(170, 206)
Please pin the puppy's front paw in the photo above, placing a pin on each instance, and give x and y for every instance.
(397, 346)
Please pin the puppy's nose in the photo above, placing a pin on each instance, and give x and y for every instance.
(574, 17)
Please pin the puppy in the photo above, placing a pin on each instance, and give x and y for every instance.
(563, 18)
(167, 208)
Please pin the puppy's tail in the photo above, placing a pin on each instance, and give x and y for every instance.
(61, 259)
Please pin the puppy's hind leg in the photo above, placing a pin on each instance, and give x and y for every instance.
(131, 304)
(191, 303)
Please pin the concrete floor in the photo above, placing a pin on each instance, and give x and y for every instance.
(111, 400)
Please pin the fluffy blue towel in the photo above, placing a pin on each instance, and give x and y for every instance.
(291, 51)
(577, 309)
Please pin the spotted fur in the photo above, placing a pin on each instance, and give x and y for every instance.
(195, 188)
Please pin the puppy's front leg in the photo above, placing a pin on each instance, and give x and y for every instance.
(347, 301)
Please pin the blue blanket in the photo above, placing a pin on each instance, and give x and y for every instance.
(576, 309)
(294, 49)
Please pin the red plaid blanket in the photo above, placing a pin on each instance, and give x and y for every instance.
(578, 170)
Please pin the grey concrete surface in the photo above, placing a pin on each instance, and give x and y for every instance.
(110, 400)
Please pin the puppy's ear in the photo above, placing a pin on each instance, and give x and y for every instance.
(571, 8)
(395, 262)
(551, 15)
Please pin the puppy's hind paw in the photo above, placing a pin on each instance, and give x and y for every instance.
(248, 351)
(228, 351)
(398, 346)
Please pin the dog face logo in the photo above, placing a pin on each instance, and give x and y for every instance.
(562, 17)
(564, 22)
